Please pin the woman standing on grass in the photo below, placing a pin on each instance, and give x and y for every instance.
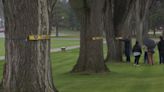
(137, 52)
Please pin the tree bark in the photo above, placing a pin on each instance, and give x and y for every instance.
(113, 51)
(28, 66)
(116, 19)
(57, 30)
(91, 58)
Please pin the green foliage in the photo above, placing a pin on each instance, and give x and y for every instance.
(157, 15)
(64, 16)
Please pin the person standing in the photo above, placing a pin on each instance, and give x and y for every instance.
(145, 55)
(161, 50)
(137, 51)
(127, 47)
(150, 56)
(150, 44)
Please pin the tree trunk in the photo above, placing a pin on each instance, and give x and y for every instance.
(57, 30)
(91, 58)
(113, 51)
(146, 27)
(116, 18)
(142, 8)
(51, 12)
(28, 66)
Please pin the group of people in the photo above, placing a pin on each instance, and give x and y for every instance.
(148, 52)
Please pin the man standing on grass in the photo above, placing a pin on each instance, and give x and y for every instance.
(127, 47)
(161, 50)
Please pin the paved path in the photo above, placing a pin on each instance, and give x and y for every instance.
(2, 35)
(2, 58)
(52, 50)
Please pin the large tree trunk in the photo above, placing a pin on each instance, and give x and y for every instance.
(28, 66)
(115, 24)
(91, 58)
(112, 52)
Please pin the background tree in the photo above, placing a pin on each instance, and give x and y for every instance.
(117, 17)
(1, 15)
(142, 8)
(64, 17)
(51, 13)
(1, 9)
(89, 13)
(156, 17)
(28, 66)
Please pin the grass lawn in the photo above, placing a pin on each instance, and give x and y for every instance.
(2, 49)
(55, 43)
(122, 78)
(63, 43)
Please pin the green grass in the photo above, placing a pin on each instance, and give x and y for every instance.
(2, 49)
(63, 43)
(1, 69)
(122, 78)
(55, 43)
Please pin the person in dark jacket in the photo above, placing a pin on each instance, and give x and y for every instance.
(127, 47)
(161, 50)
(137, 51)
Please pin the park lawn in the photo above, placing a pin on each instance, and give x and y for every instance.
(55, 43)
(122, 78)
(1, 69)
(2, 49)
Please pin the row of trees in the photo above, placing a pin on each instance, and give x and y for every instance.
(64, 17)
(28, 66)
(113, 16)
(157, 16)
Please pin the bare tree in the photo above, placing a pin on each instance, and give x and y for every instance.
(142, 8)
(51, 11)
